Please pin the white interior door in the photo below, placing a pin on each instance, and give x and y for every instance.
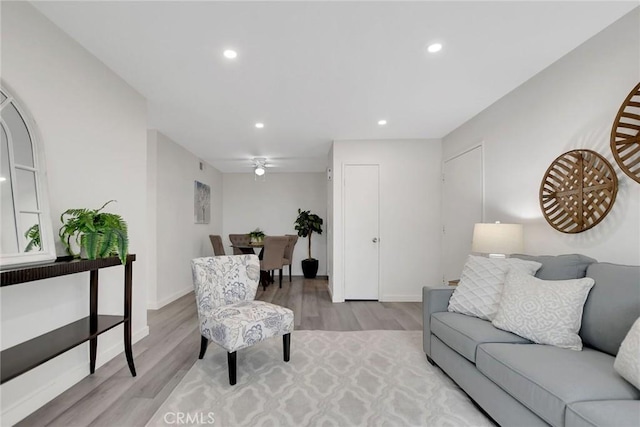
(361, 228)
(462, 203)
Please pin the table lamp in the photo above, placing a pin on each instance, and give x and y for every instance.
(498, 240)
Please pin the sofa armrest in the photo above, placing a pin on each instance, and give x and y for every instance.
(434, 300)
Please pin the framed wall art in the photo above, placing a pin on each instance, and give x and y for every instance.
(202, 203)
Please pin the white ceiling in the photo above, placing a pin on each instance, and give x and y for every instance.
(315, 72)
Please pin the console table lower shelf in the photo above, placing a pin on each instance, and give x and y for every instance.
(32, 353)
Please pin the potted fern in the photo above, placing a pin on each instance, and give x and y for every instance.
(98, 234)
(307, 224)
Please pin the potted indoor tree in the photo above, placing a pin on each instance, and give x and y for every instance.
(98, 234)
(306, 224)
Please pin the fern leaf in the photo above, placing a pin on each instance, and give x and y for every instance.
(122, 245)
(90, 242)
(103, 206)
(107, 244)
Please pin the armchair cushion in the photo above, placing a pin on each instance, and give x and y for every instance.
(246, 323)
(224, 280)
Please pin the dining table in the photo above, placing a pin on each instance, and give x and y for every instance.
(250, 248)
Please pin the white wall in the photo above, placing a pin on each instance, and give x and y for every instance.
(93, 127)
(329, 223)
(272, 206)
(177, 238)
(410, 214)
(569, 105)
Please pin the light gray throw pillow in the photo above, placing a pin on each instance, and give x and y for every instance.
(480, 287)
(543, 311)
(627, 362)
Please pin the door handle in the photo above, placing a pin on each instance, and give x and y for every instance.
(374, 240)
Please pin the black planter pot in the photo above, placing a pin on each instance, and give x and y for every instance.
(310, 268)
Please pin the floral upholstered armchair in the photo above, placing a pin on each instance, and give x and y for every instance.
(225, 288)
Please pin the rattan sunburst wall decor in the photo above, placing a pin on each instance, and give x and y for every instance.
(578, 191)
(625, 135)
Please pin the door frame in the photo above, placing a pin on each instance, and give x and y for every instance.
(482, 180)
(344, 228)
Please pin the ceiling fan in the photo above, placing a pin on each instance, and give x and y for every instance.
(260, 165)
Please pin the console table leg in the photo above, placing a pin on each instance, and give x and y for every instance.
(127, 347)
(93, 319)
(93, 349)
(128, 280)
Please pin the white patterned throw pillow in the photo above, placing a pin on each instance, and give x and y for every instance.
(478, 292)
(543, 311)
(627, 362)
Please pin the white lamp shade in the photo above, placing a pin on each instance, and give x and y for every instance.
(498, 238)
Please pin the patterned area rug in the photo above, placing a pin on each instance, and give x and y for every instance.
(370, 378)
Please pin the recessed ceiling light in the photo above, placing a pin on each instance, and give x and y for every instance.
(259, 125)
(230, 54)
(435, 47)
(382, 122)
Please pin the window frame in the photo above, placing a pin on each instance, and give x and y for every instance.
(48, 250)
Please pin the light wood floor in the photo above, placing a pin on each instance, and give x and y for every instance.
(111, 397)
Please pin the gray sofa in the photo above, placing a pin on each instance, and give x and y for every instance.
(519, 383)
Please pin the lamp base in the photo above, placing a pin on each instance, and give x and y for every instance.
(497, 256)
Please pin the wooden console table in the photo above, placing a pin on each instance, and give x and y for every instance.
(27, 355)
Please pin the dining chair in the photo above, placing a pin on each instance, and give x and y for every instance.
(239, 240)
(288, 252)
(225, 288)
(272, 257)
(216, 242)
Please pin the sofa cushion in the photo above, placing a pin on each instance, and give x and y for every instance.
(559, 267)
(620, 413)
(612, 306)
(463, 333)
(545, 379)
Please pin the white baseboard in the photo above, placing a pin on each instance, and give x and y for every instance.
(46, 393)
(42, 395)
(155, 305)
(401, 298)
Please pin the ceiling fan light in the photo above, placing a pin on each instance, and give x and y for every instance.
(434, 48)
(259, 170)
(230, 54)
